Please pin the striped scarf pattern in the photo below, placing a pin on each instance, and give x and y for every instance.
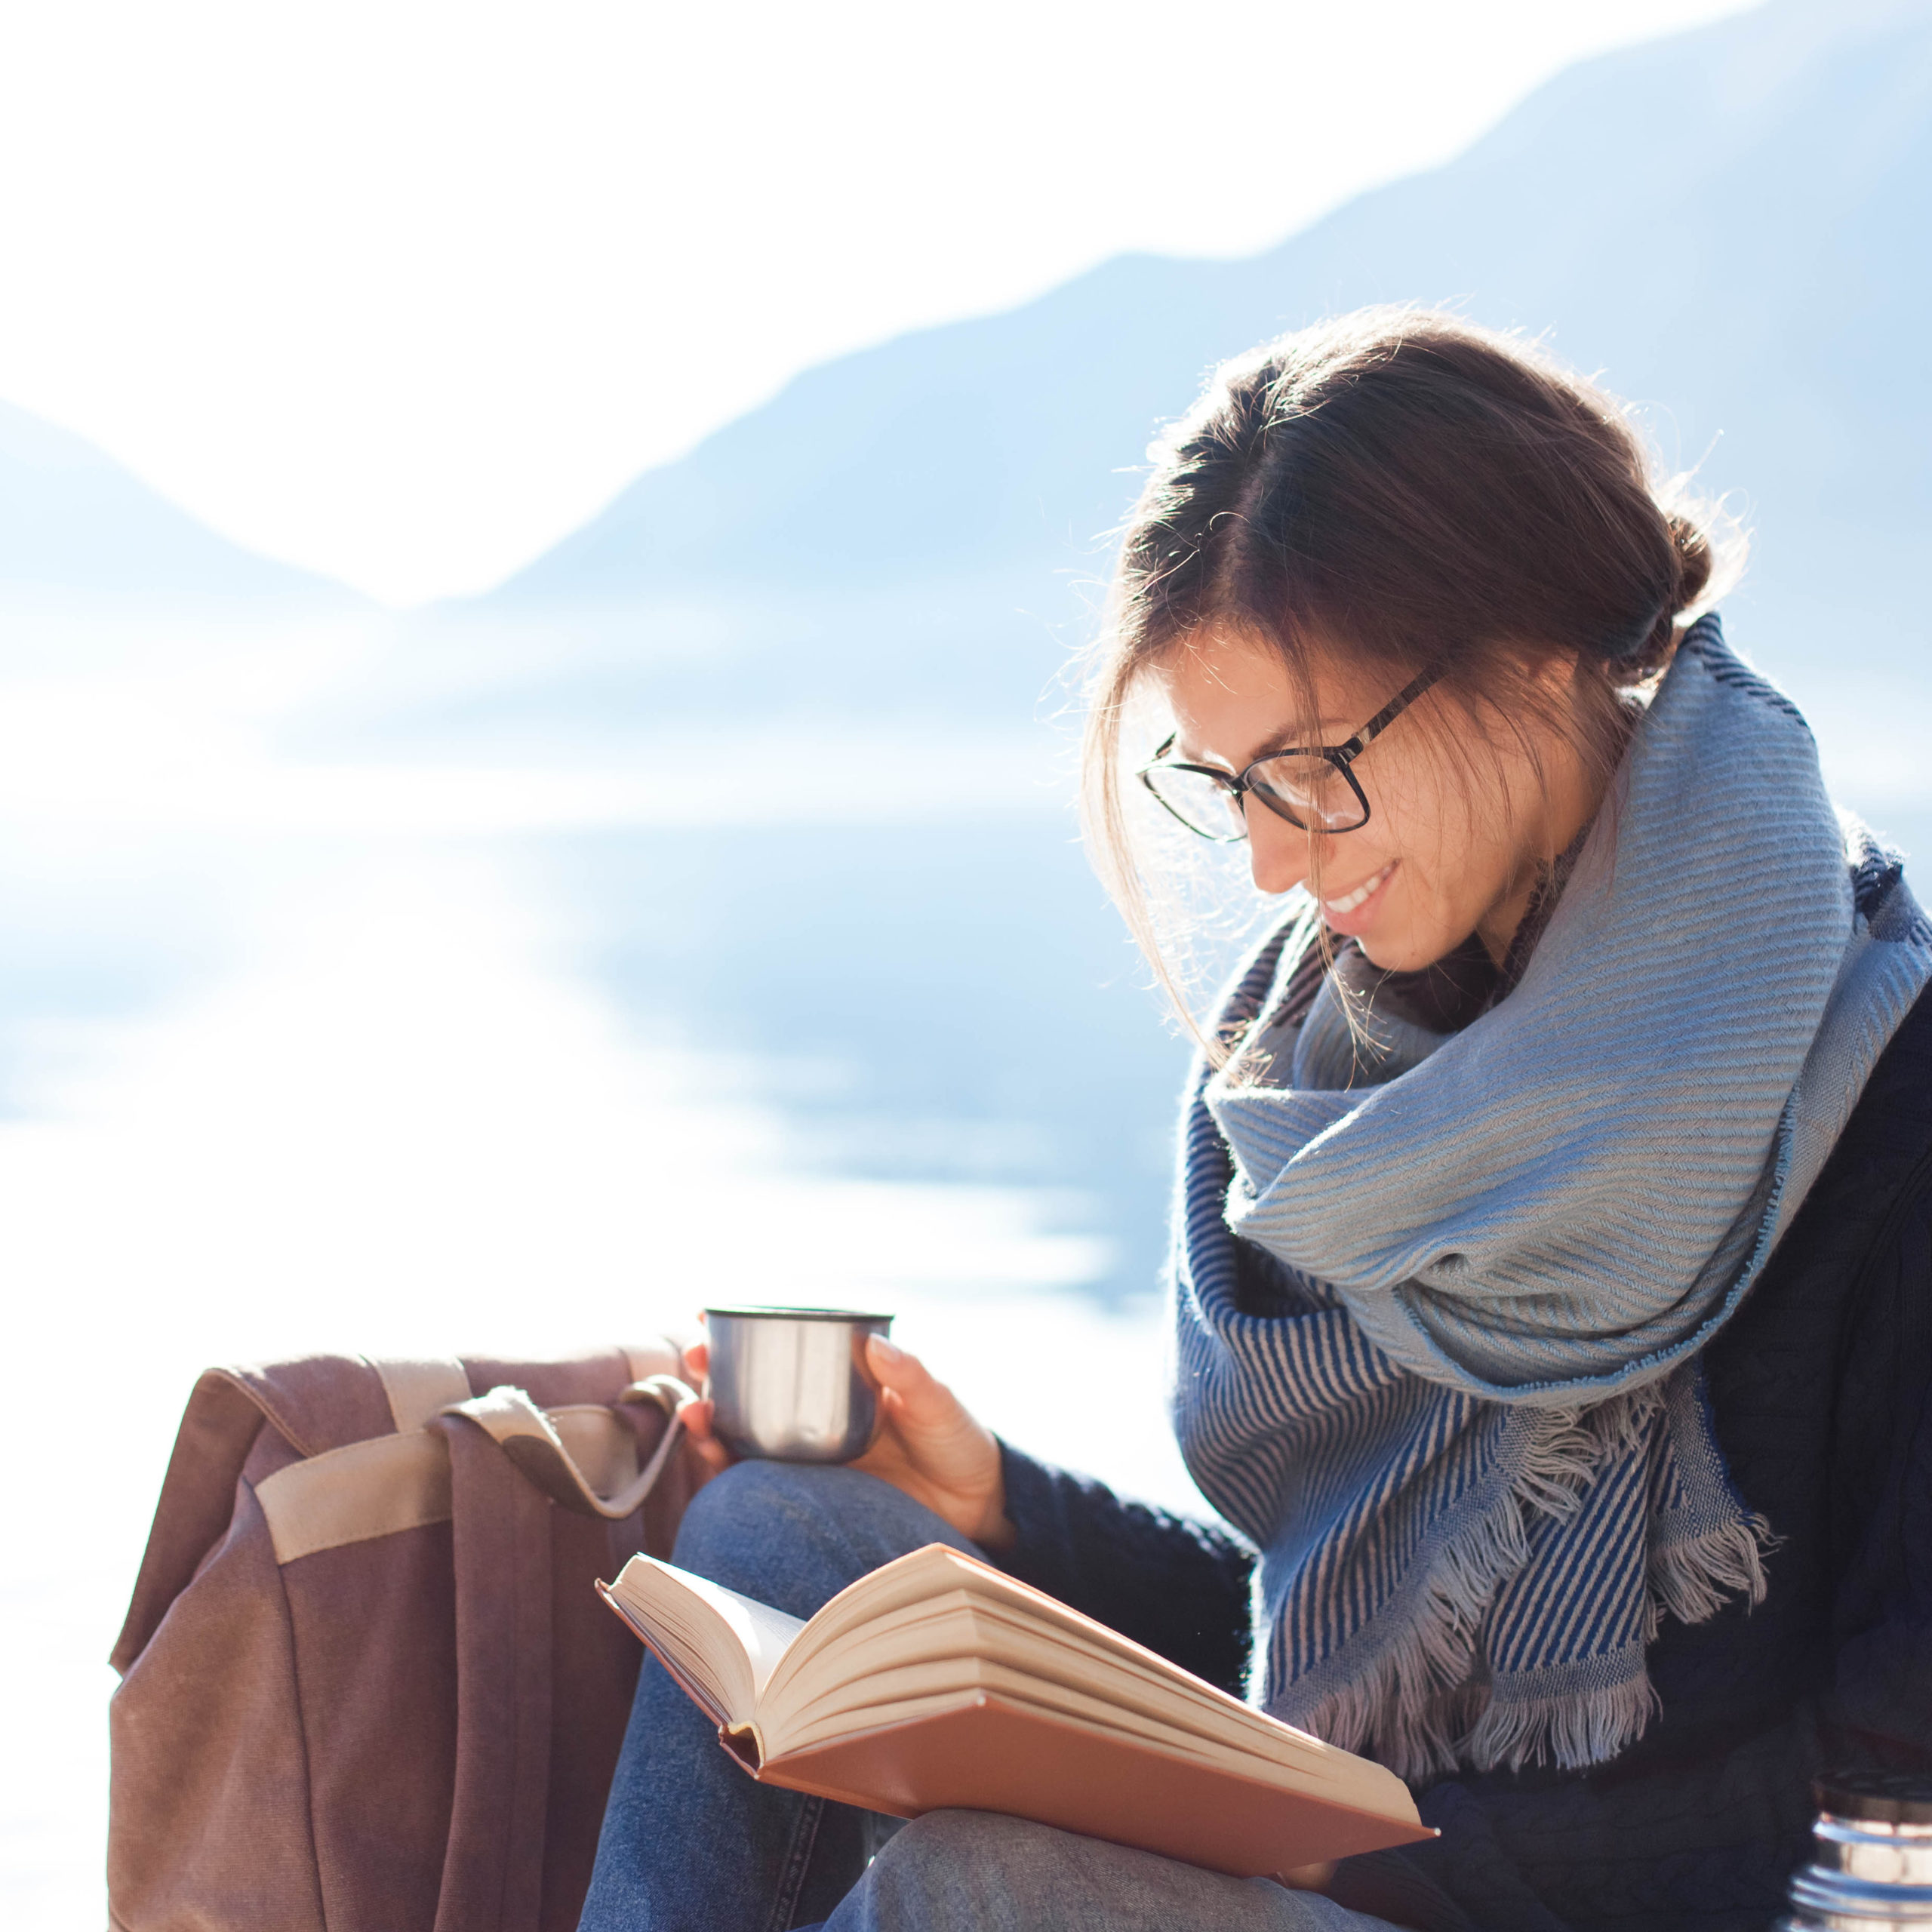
(1440, 1301)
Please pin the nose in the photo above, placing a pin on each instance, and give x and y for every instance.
(1277, 851)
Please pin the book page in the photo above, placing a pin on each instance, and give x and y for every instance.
(721, 1644)
(936, 1660)
(888, 1697)
(922, 1647)
(961, 1624)
(897, 1618)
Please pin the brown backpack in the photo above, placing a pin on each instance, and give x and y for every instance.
(366, 1684)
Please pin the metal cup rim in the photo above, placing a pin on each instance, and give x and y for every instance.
(750, 1314)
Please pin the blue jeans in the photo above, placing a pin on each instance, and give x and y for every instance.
(691, 1844)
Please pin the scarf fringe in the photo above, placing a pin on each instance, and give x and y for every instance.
(1694, 1579)
(1420, 1709)
(1415, 1708)
(1578, 1729)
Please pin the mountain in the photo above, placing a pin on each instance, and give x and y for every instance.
(1732, 226)
(74, 524)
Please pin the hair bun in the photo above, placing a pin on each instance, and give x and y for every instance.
(1695, 558)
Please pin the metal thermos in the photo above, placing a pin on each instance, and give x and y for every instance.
(1871, 1862)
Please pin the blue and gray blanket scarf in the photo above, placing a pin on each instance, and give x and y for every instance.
(1472, 1443)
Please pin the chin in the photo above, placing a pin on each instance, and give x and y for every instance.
(1408, 954)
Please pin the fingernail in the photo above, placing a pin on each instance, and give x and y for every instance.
(888, 1353)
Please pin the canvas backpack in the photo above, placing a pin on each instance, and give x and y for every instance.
(367, 1685)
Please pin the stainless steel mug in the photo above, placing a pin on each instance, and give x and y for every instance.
(1870, 1866)
(793, 1384)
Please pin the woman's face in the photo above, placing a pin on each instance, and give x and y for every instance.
(1452, 844)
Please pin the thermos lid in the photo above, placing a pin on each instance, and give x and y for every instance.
(1879, 1798)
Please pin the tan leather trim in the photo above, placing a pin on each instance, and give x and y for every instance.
(582, 1455)
(418, 1389)
(361, 1490)
(529, 1438)
(659, 1356)
(604, 1448)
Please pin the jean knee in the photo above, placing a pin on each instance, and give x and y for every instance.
(792, 1534)
(946, 1858)
(1000, 1874)
(742, 1521)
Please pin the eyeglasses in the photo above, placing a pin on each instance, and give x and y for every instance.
(1313, 786)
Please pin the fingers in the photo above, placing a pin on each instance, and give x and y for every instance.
(695, 1417)
(1308, 1878)
(698, 1362)
(931, 1448)
(912, 1387)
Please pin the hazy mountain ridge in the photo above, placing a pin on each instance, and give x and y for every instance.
(1729, 225)
(75, 524)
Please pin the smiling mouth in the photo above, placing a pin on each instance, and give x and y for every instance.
(1337, 908)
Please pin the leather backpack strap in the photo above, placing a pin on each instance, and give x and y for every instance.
(534, 1442)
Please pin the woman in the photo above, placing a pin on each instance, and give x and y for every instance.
(1553, 1270)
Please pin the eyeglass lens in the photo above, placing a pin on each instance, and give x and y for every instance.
(1199, 803)
(1313, 790)
(1307, 791)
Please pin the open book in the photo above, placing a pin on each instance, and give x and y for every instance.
(939, 1681)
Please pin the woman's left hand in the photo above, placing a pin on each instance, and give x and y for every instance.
(929, 1446)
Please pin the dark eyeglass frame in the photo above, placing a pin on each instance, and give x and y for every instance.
(1240, 784)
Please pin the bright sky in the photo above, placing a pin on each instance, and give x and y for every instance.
(403, 289)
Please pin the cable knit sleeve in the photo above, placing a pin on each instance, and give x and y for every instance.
(1179, 1587)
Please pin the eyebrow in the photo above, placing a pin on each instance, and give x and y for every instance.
(1291, 737)
(1285, 740)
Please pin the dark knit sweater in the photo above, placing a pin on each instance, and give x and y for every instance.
(1821, 1387)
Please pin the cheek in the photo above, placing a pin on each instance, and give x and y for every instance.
(1416, 817)
(1452, 864)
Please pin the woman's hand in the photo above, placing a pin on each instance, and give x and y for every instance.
(1308, 1878)
(931, 1448)
(695, 1416)
(928, 1445)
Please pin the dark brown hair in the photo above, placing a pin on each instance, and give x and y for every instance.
(1399, 487)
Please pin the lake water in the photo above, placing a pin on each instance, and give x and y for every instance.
(400, 1044)
(424, 1052)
